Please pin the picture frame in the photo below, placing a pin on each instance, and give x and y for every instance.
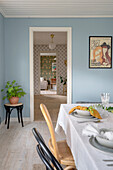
(53, 66)
(100, 52)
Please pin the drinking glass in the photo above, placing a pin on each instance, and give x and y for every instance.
(105, 99)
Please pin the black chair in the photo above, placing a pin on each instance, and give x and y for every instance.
(45, 154)
(43, 158)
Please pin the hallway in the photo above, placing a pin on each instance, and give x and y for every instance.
(52, 102)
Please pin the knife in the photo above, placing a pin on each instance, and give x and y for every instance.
(108, 160)
(83, 121)
(109, 164)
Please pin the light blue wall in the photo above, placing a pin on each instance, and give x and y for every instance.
(87, 83)
(2, 68)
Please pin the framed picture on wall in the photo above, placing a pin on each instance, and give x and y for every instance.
(53, 66)
(100, 52)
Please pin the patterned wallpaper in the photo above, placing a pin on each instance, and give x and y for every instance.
(46, 67)
(61, 70)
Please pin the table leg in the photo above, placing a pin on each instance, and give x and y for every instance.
(51, 86)
(21, 117)
(18, 115)
(8, 119)
(6, 116)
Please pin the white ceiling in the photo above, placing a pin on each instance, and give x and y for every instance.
(44, 37)
(56, 8)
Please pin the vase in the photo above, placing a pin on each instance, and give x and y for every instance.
(14, 100)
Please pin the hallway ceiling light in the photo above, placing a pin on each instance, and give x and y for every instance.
(52, 45)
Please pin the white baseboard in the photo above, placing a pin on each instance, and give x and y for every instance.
(15, 119)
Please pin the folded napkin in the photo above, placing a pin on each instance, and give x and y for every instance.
(77, 107)
(90, 130)
(108, 135)
(93, 112)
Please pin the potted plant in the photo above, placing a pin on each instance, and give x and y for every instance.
(13, 92)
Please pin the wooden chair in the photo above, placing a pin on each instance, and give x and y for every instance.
(43, 158)
(53, 82)
(45, 154)
(60, 149)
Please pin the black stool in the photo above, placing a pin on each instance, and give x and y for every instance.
(9, 107)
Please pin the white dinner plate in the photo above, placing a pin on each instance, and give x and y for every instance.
(103, 141)
(96, 145)
(105, 130)
(104, 115)
(83, 112)
(82, 116)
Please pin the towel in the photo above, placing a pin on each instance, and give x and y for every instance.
(90, 130)
(93, 112)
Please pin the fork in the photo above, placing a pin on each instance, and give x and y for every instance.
(109, 165)
(107, 160)
(84, 121)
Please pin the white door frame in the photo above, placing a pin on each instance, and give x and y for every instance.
(69, 62)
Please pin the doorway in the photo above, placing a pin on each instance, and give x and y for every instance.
(69, 82)
(48, 73)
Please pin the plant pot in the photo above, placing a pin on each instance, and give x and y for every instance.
(14, 100)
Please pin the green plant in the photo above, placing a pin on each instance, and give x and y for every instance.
(64, 81)
(13, 90)
(109, 109)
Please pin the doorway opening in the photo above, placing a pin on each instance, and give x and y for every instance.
(60, 82)
(48, 72)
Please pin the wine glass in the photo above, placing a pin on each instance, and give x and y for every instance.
(105, 99)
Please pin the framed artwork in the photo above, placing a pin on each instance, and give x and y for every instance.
(53, 66)
(100, 52)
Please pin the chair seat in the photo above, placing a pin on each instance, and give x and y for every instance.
(65, 154)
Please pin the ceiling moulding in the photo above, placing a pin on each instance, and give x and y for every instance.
(58, 16)
(56, 8)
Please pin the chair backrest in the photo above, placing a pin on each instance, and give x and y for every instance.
(51, 129)
(37, 136)
(43, 158)
(48, 158)
(44, 152)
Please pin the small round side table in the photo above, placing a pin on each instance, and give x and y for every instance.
(9, 107)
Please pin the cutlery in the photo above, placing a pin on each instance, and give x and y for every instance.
(84, 121)
(109, 164)
(108, 160)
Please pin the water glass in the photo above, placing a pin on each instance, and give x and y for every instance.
(105, 98)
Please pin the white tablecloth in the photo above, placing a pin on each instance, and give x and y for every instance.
(85, 155)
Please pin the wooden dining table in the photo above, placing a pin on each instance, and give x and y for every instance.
(86, 156)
